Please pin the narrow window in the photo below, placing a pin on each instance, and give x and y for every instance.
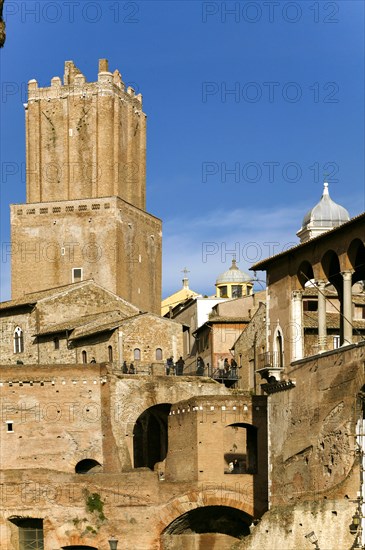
(223, 292)
(84, 356)
(18, 340)
(56, 342)
(110, 354)
(137, 354)
(158, 354)
(9, 426)
(236, 291)
(336, 342)
(76, 274)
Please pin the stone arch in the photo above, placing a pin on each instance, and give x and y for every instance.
(305, 273)
(150, 436)
(356, 257)
(87, 466)
(189, 502)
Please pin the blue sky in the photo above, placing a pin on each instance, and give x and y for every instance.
(248, 104)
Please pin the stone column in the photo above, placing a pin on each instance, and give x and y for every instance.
(297, 326)
(322, 328)
(347, 307)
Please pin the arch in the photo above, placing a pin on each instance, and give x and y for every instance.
(159, 354)
(137, 354)
(356, 256)
(305, 273)
(18, 340)
(240, 448)
(110, 354)
(87, 465)
(238, 499)
(150, 438)
(211, 519)
(331, 268)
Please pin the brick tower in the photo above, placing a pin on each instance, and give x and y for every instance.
(85, 213)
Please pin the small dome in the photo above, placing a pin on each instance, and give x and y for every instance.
(325, 215)
(232, 275)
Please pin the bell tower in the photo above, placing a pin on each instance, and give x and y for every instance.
(85, 215)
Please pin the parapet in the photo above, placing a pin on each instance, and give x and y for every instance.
(75, 83)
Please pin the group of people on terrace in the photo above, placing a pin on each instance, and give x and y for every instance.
(226, 368)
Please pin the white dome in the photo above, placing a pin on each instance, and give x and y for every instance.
(325, 215)
(233, 275)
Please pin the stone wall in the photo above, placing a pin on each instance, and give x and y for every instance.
(287, 527)
(64, 414)
(312, 428)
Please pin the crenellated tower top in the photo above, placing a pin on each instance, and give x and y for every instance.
(85, 139)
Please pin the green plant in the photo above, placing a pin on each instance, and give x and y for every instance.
(95, 504)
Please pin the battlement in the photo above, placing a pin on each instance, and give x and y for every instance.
(75, 84)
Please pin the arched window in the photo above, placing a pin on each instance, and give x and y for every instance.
(137, 354)
(158, 354)
(84, 356)
(110, 354)
(18, 340)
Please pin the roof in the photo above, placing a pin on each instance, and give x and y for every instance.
(177, 298)
(225, 319)
(310, 320)
(263, 264)
(86, 320)
(34, 297)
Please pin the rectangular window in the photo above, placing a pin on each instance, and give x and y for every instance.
(30, 533)
(310, 305)
(76, 274)
(30, 539)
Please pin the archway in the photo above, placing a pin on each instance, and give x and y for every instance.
(208, 526)
(88, 465)
(150, 440)
(240, 449)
